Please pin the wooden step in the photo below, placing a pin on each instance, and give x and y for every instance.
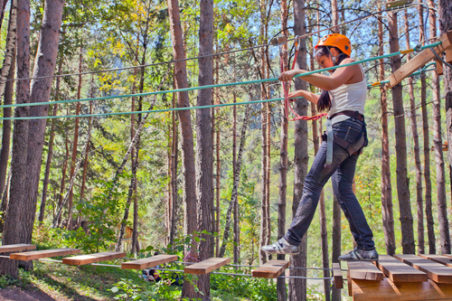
(92, 258)
(26, 256)
(16, 248)
(364, 270)
(398, 271)
(443, 259)
(270, 269)
(150, 262)
(206, 266)
(337, 276)
(435, 271)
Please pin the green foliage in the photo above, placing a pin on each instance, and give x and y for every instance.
(232, 288)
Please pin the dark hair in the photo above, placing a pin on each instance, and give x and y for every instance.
(324, 102)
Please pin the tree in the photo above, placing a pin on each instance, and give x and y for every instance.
(417, 160)
(403, 192)
(297, 287)
(386, 186)
(180, 73)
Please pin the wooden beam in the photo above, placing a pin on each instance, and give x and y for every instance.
(27, 256)
(206, 266)
(150, 262)
(420, 60)
(398, 271)
(364, 270)
(337, 276)
(271, 269)
(92, 258)
(16, 248)
(435, 271)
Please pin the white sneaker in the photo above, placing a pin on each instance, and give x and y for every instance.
(282, 246)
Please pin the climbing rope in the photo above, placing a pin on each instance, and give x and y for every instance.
(298, 37)
(182, 90)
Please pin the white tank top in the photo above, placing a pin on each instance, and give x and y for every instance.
(348, 97)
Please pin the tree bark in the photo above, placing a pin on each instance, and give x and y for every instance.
(438, 150)
(7, 89)
(298, 287)
(403, 193)
(180, 74)
(386, 187)
(204, 141)
(16, 230)
(174, 162)
(417, 160)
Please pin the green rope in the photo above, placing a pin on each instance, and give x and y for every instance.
(208, 86)
(145, 112)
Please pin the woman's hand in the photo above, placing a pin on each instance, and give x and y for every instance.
(288, 75)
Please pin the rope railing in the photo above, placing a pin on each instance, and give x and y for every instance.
(187, 90)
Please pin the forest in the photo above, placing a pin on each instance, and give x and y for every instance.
(160, 127)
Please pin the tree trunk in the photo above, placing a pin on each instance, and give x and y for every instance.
(75, 140)
(173, 180)
(438, 149)
(218, 161)
(445, 24)
(180, 74)
(283, 159)
(7, 89)
(403, 192)
(2, 10)
(297, 286)
(130, 191)
(417, 160)
(236, 179)
(235, 185)
(204, 143)
(386, 187)
(16, 230)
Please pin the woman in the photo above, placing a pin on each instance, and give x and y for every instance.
(344, 97)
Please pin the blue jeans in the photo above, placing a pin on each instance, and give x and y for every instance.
(342, 171)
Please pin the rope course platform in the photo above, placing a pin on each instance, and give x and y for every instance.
(16, 248)
(402, 277)
(92, 258)
(150, 262)
(271, 269)
(33, 255)
(206, 266)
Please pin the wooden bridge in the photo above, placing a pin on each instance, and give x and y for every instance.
(399, 277)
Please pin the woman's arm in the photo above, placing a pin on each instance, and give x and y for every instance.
(306, 94)
(339, 77)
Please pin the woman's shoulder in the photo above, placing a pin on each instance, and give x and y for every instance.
(347, 61)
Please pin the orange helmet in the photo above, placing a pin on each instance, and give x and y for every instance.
(336, 40)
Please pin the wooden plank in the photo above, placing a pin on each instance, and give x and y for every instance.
(420, 60)
(26, 256)
(439, 67)
(435, 271)
(364, 270)
(412, 65)
(443, 259)
(398, 271)
(337, 275)
(92, 258)
(206, 266)
(150, 262)
(385, 290)
(16, 248)
(271, 269)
